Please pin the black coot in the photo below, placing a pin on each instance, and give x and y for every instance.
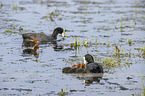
(41, 37)
(91, 66)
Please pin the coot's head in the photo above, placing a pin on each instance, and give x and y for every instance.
(58, 30)
(88, 59)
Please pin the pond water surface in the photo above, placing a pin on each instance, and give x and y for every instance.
(106, 23)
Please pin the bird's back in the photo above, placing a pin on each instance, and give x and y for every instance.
(40, 37)
(94, 68)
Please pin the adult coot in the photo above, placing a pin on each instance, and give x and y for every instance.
(91, 66)
(41, 37)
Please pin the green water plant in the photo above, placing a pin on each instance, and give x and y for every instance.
(10, 32)
(41, 1)
(79, 42)
(143, 49)
(20, 29)
(131, 24)
(117, 51)
(136, 7)
(63, 92)
(52, 16)
(75, 42)
(108, 43)
(142, 84)
(86, 42)
(96, 42)
(121, 26)
(14, 6)
(111, 62)
(17, 8)
(1, 5)
(140, 51)
(129, 41)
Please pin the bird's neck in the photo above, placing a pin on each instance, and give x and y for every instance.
(55, 35)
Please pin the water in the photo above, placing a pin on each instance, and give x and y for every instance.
(101, 20)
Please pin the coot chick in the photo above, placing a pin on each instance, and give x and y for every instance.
(79, 68)
(41, 37)
(69, 70)
(92, 67)
(66, 69)
(30, 43)
(32, 50)
(72, 70)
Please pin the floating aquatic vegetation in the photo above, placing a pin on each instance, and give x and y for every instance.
(10, 32)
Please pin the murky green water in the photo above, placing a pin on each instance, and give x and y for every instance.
(25, 75)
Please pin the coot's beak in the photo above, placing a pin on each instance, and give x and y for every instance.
(85, 62)
(63, 33)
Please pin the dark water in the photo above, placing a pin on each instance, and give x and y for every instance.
(101, 20)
